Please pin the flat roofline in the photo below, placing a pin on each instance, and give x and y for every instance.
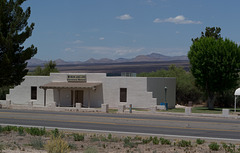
(69, 85)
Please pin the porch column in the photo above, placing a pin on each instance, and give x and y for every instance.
(45, 96)
(89, 98)
(74, 98)
(59, 100)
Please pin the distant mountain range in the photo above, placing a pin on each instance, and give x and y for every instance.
(153, 57)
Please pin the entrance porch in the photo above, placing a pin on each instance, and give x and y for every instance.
(67, 94)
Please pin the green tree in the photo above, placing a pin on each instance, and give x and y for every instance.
(14, 30)
(3, 92)
(48, 68)
(215, 63)
(210, 32)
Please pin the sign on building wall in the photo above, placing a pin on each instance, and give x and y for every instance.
(77, 78)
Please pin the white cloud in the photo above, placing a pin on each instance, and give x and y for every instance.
(125, 51)
(150, 2)
(113, 51)
(77, 42)
(180, 19)
(101, 38)
(170, 51)
(124, 17)
(97, 49)
(68, 50)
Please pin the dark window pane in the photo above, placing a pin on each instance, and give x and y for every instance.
(34, 93)
(123, 94)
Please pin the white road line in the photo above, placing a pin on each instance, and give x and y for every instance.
(127, 133)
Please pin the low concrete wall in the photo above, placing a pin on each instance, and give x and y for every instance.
(78, 105)
(52, 108)
(225, 112)
(121, 108)
(153, 109)
(2, 103)
(188, 110)
(104, 108)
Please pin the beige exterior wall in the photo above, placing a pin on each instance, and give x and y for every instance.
(21, 94)
(137, 93)
(142, 92)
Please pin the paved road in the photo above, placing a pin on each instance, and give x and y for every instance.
(152, 124)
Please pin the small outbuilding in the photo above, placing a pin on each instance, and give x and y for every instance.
(93, 90)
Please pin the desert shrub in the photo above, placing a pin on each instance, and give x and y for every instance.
(1, 129)
(155, 140)
(98, 138)
(103, 138)
(37, 143)
(137, 138)
(184, 143)
(128, 143)
(90, 150)
(36, 131)
(114, 139)
(165, 141)
(199, 141)
(94, 138)
(213, 146)
(109, 136)
(104, 145)
(147, 140)
(57, 145)
(72, 146)
(9, 128)
(20, 130)
(78, 137)
(229, 148)
(1, 147)
(127, 139)
(55, 132)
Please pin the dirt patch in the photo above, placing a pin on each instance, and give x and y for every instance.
(13, 142)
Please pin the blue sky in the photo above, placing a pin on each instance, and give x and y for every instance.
(76, 30)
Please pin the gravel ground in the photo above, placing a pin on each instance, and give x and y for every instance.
(12, 142)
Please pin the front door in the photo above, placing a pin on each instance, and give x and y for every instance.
(79, 96)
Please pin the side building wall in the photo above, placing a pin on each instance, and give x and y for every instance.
(157, 87)
(137, 93)
(21, 94)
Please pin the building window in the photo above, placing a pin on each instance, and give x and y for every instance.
(123, 94)
(33, 93)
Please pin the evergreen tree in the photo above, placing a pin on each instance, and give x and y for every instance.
(14, 31)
